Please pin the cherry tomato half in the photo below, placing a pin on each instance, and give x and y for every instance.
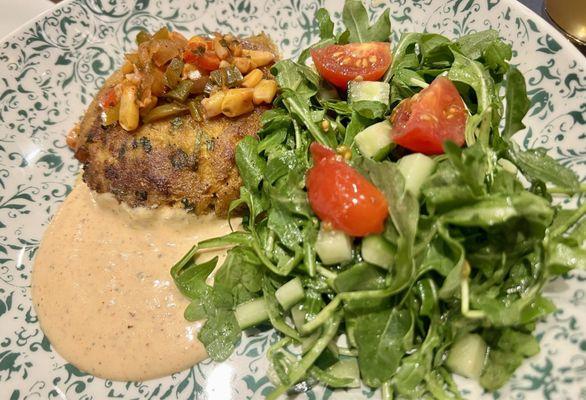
(425, 121)
(339, 64)
(338, 194)
(198, 53)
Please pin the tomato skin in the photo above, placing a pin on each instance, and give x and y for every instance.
(320, 153)
(199, 53)
(423, 122)
(339, 64)
(338, 194)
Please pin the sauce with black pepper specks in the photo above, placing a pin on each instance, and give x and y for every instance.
(102, 289)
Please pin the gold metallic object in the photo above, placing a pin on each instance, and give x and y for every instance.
(570, 17)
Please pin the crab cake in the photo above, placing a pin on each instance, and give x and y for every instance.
(172, 146)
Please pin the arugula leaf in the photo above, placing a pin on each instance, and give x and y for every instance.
(496, 57)
(361, 276)
(255, 202)
(473, 73)
(497, 209)
(403, 210)
(435, 50)
(274, 310)
(190, 277)
(357, 124)
(404, 54)
(299, 108)
(195, 311)
(382, 338)
(280, 162)
(219, 334)
(285, 226)
(517, 102)
(442, 256)
(356, 20)
(370, 109)
(472, 165)
(566, 242)
(487, 47)
(508, 350)
(565, 254)
(240, 274)
(250, 164)
(474, 44)
(289, 194)
(326, 26)
(455, 253)
(458, 181)
(405, 84)
(536, 165)
(274, 120)
(338, 106)
(231, 239)
(303, 81)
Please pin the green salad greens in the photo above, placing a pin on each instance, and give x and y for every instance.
(453, 284)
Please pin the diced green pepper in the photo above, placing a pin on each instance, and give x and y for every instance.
(181, 91)
(165, 111)
(173, 72)
(162, 33)
(226, 77)
(142, 36)
(195, 109)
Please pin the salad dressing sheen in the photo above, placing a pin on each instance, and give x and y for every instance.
(102, 289)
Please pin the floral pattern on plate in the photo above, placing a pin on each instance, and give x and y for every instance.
(49, 71)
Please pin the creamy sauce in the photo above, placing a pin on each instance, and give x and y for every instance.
(102, 289)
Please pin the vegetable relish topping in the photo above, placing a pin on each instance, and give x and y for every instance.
(395, 233)
(169, 75)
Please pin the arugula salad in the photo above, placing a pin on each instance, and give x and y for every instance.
(393, 232)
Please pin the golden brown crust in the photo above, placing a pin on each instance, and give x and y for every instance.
(175, 162)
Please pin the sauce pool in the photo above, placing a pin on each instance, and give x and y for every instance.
(102, 289)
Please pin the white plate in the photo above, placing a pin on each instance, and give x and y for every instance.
(49, 71)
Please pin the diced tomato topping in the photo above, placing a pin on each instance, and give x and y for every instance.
(109, 99)
(338, 194)
(198, 52)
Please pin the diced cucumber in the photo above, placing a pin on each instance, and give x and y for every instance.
(290, 293)
(377, 251)
(298, 316)
(369, 91)
(333, 247)
(369, 99)
(346, 369)
(416, 168)
(467, 356)
(251, 313)
(375, 141)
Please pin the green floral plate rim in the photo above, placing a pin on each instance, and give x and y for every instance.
(51, 67)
